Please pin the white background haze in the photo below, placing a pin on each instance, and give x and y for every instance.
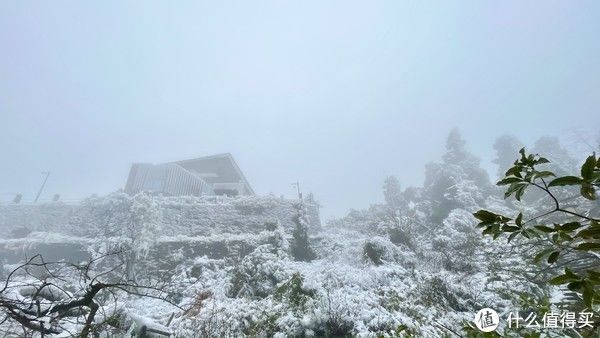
(337, 95)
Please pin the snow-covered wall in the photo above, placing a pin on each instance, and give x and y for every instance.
(165, 252)
(40, 217)
(188, 216)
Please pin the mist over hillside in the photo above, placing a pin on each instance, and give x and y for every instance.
(299, 169)
(415, 265)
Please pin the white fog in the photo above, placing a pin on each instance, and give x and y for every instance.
(274, 169)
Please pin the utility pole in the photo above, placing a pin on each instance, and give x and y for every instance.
(297, 185)
(47, 173)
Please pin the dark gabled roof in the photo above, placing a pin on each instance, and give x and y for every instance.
(223, 165)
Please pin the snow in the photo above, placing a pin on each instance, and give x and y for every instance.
(187, 216)
(149, 323)
(228, 262)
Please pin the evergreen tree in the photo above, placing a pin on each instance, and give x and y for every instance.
(561, 161)
(392, 192)
(455, 148)
(445, 183)
(506, 147)
(301, 250)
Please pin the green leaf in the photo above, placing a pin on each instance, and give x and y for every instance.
(564, 236)
(570, 226)
(588, 295)
(562, 279)
(509, 180)
(591, 232)
(587, 169)
(588, 191)
(542, 160)
(531, 160)
(512, 236)
(574, 286)
(532, 232)
(493, 229)
(553, 257)
(543, 174)
(544, 228)
(514, 171)
(520, 192)
(529, 176)
(588, 246)
(485, 216)
(509, 228)
(512, 188)
(594, 275)
(565, 180)
(541, 255)
(570, 273)
(519, 220)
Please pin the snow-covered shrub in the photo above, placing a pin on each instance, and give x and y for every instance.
(379, 250)
(301, 250)
(114, 323)
(145, 223)
(293, 293)
(466, 194)
(435, 292)
(250, 207)
(455, 244)
(206, 318)
(365, 221)
(258, 274)
(403, 237)
(20, 232)
(125, 224)
(263, 323)
(180, 215)
(374, 252)
(338, 319)
(50, 292)
(276, 237)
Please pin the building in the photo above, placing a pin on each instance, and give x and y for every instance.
(210, 175)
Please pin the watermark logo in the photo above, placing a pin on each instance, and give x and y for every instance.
(552, 320)
(487, 320)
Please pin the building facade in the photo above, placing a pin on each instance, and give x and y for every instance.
(210, 175)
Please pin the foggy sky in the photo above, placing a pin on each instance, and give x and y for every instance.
(337, 95)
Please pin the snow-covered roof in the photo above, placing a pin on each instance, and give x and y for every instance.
(219, 168)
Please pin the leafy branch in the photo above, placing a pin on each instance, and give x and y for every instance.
(578, 234)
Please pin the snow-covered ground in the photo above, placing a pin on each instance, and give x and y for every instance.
(414, 266)
(404, 290)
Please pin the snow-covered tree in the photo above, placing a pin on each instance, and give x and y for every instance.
(125, 223)
(456, 241)
(505, 146)
(301, 250)
(444, 182)
(392, 192)
(561, 161)
(276, 238)
(258, 274)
